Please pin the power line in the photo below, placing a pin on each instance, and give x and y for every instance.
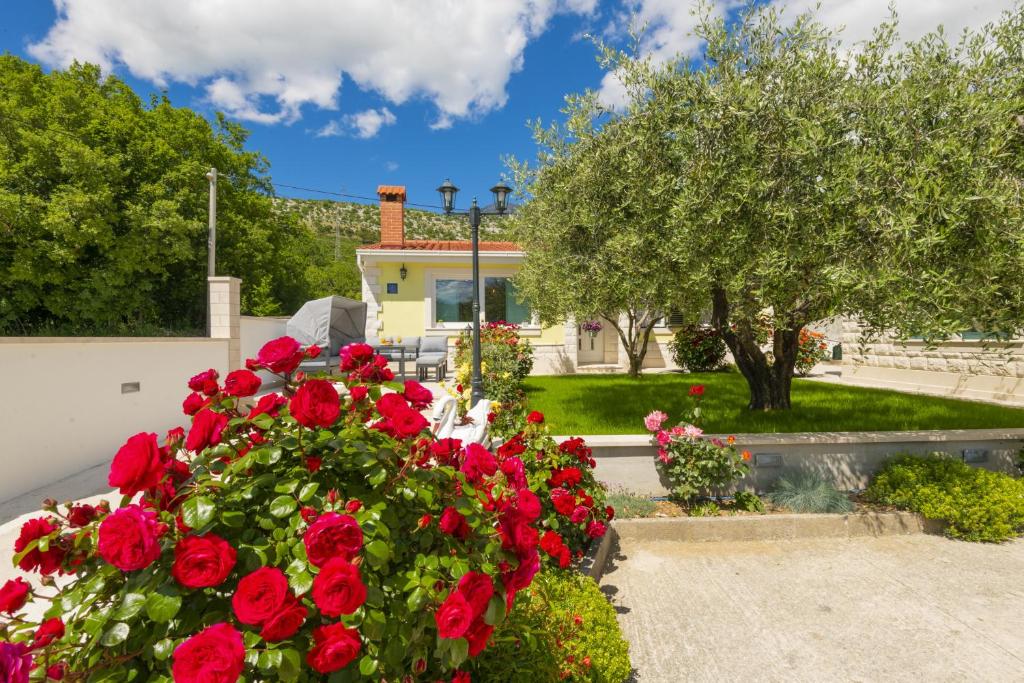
(350, 196)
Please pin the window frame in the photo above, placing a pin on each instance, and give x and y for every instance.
(431, 276)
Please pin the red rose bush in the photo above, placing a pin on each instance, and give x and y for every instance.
(295, 537)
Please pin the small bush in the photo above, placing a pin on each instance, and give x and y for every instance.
(976, 504)
(698, 348)
(562, 628)
(748, 501)
(806, 492)
(629, 505)
(708, 508)
(813, 350)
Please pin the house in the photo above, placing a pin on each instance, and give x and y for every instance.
(424, 288)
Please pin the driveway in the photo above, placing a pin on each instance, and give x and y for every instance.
(900, 608)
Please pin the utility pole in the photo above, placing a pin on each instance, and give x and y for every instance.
(211, 244)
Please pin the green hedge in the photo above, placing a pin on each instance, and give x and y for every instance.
(976, 504)
(561, 628)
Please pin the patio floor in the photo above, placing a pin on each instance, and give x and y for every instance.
(878, 609)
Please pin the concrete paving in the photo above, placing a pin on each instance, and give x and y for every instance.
(905, 608)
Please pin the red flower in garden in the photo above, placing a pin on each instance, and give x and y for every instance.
(193, 403)
(551, 543)
(206, 430)
(214, 655)
(48, 631)
(461, 677)
(453, 523)
(269, 404)
(242, 383)
(609, 512)
(137, 465)
(512, 447)
(358, 393)
(286, 621)
(316, 404)
(569, 476)
(478, 634)
(454, 616)
(355, 355)
(334, 647)
(260, 595)
(535, 418)
(205, 382)
(202, 561)
(332, 535)
(408, 423)
(13, 595)
(564, 501)
(338, 588)
(515, 472)
(57, 671)
(446, 451)
(353, 505)
(313, 351)
(478, 463)
(81, 514)
(391, 404)
(281, 355)
(477, 588)
(313, 463)
(417, 395)
(596, 529)
(47, 562)
(697, 390)
(129, 538)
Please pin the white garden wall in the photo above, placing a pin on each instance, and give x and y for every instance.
(69, 403)
(255, 332)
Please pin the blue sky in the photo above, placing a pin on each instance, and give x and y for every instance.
(349, 94)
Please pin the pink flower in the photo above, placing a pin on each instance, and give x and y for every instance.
(654, 420)
(664, 456)
(692, 432)
(663, 438)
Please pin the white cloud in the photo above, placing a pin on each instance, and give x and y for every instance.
(263, 61)
(670, 23)
(366, 124)
(391, 165)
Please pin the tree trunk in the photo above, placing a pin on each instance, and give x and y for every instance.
(634, 338)
(769, 382)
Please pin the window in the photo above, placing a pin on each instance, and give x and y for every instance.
(454, 301)
(500, 302)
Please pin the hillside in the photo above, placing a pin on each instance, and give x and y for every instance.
(361, 222)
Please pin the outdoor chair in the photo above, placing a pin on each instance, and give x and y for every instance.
(433, 355)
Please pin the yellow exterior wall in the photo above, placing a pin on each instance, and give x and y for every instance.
(405, 313)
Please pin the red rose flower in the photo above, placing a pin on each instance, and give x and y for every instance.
(454, 616)
(206, 430)
(512, 447)
(47, 562)
(569, 476)
(334, 646)
(478, 589)
(609, 512)
(391, 404)
(260, 595)
(579, 514)
(408, 423)
(697, 390)
(242, 383)
(137, 466)
(193, 403)
(425, 521)
(269, 404)
(316, 404)
(214, 655)
(354, 355)
(453, 523)
(461, 677)
(57, 671)
(519, 579)
(13, 595)
(48, 631)
(417, 395)
(80, 515)
(129, 538)
(535, 418)
(286, 621)
(563, 501)
(332, 535)
(338, 589)
(313, 463)
(596, 529)
(202, 561)
(205, 382)
(515, 472)
(528, 504)
(478, 463)
(354, 505)
(551, 543)
(446, 451)
(313, 351)
(281, 355)
(358, 393)
(478, 635)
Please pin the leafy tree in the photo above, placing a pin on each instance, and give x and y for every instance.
(103, 209)
(593, 230)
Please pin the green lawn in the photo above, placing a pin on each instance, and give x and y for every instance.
(616, 404)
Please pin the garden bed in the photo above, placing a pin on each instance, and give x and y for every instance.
(617, 404)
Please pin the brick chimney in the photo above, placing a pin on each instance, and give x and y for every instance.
(392, 215)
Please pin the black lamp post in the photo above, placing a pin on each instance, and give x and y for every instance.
(501, 192)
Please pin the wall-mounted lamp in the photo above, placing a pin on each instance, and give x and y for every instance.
(402, 272)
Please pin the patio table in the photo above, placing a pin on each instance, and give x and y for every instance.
(404, 353)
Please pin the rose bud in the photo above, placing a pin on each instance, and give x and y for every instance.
(103, 506)
(80, 515)
(577, 619)
(353, 505)
(50, 505)
(308, 514)
(332, 496)
(313, 463)
(420, 666)
(425, 521)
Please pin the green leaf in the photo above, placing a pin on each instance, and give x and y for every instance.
(308, 491)
(287, 486)
(301, 582)
(416, 600)
(291, 665)
(198, 511)
(115, 635)
(162, 608)
(162, 649)
(459, 651)
(282, 506)
(263, 421)
(495, 613)
(233, 518)
(129, 606)
(367, 665)
(378, 552)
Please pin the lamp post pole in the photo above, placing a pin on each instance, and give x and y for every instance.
(501, 192)
(477, 383)
(211, 242)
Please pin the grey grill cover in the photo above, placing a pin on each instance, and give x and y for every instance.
(331, 323)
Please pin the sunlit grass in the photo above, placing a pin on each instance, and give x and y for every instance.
(616, 404)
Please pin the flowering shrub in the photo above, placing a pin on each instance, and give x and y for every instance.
(698, 348)
(812, 350)
(505, 361)
(287, 538)
(591, 326)
(563, 628)
(690, 462)
(573, 511)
